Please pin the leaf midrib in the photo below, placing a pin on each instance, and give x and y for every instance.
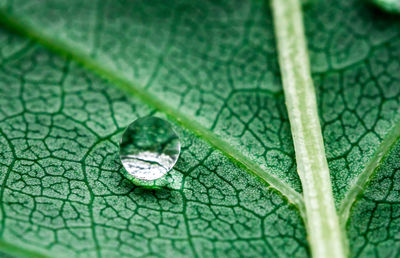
(70, 52)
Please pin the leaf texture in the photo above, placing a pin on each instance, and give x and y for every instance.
(62, 193)
(212, 62)
(374, 222)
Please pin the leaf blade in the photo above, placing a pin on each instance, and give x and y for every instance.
(65, 195)
(156, 103)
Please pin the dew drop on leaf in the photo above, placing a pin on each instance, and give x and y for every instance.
(392, 6)
(149, 148)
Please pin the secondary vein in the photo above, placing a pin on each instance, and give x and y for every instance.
(13, 249)
(373, 165)
(69, 51)
(326, 237)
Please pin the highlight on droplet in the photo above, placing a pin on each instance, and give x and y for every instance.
(149, 148)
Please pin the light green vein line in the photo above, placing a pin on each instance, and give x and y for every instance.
(370, 170)
(324, 231)
(17, 251)
(202, 132)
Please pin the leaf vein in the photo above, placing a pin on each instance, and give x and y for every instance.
(71, 52)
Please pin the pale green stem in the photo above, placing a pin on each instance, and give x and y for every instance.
(324, 232)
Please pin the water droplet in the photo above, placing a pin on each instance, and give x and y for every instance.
(149, 148)
(392, 6)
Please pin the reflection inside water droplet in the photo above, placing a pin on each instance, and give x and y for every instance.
(149, 148)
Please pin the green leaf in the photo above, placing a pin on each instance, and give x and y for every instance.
(63, 192)
(374, 223)
(210, 67)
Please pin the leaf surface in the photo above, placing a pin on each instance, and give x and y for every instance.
(214, 64)
(63, 194)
